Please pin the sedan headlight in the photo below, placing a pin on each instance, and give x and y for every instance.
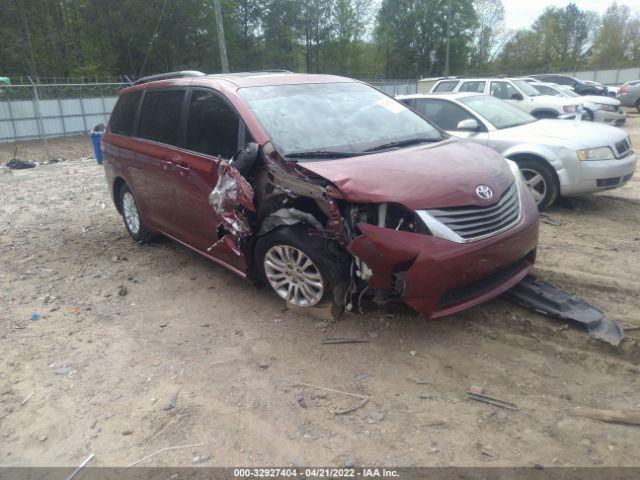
(607, 108)
(600, 153)
(570, 108)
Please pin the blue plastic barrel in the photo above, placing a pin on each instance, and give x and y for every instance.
(95, 140)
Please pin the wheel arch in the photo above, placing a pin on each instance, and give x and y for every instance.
(117, 185)
(536, 158)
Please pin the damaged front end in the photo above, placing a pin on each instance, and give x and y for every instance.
(383, 250)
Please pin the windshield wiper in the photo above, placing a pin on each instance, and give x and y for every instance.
(321, 154)
(402, 143)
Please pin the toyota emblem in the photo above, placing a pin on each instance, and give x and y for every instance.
(484, 192)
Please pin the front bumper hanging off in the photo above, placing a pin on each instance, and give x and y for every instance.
(542, 297)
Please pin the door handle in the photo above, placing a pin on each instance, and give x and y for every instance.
(183, 168)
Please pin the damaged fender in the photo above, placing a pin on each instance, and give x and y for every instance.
(229, 198)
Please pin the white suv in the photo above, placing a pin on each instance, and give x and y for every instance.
(516, 91)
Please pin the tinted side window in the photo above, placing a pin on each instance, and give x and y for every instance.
(475, 86)
(212, 126)
(445, 114)
(160, 116)
(502, 90)
(446, 86)
(124, 114)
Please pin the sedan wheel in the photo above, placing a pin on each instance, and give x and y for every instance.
(535, 183)
(541, 181)
(293, 275)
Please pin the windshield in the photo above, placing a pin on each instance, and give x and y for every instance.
(326, 120)
(568, 92)
(497, 112)
(548, 90)
(526, 88)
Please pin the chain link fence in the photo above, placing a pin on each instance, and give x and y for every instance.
(38, 110)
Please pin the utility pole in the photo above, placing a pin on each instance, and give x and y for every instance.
(221, 43)
(448, 48)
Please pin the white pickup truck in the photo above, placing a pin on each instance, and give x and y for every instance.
(517, 92)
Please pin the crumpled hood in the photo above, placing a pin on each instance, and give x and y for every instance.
(439, 175)
(564, 132)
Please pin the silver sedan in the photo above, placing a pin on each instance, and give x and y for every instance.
(556, 157)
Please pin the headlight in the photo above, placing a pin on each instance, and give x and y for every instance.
(608, 108)
(600, 153)
(570, 108)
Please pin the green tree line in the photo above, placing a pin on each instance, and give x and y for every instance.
(359, 38)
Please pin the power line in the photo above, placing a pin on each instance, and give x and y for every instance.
(155, 31)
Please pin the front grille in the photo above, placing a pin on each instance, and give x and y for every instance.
(481, 286)
(473, 222)
(622, 146)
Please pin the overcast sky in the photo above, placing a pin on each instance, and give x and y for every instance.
(522, 13)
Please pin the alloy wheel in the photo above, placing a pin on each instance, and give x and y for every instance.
(131, 214)
(535, 183)
(293, 275)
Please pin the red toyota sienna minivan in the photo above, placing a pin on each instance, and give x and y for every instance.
(321, 187)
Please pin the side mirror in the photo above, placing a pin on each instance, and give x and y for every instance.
(244, 160)
(470, 124)
(517, 96)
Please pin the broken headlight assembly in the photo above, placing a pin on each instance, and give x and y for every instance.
(387, 215)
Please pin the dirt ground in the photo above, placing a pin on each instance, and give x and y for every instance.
(98, 335)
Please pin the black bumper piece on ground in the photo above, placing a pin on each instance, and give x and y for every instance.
(542, 297)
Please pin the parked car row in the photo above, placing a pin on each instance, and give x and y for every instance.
(555, 157)
(324, 188)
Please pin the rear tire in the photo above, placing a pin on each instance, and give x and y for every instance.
(541, 182)
(589, 115)
(299, 267)
(131, 215)
(638, 105)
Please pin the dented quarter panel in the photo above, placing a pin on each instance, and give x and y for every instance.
(420, 177)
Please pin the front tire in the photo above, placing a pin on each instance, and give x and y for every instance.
(131, 215)
(297, 266)
(541, 182)
(638, 105)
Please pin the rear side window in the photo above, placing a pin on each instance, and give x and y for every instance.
(443, 113)
(475, 86)
(446, 86)
(124, 114)
(160, 116)
(212, 125)
(503, 90)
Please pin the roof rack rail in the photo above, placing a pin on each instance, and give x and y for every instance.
(169, 75)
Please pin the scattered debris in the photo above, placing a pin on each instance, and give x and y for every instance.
(35, 316)
(163, 450)
(332, 390)
(344, 411)
(43, 438)
(412, 353)
(544, 217)
(174, 400)
(27, 399)
(376, 417)
(64, 371)
(626, 417)
(491, 400)
(81, 466)
(264, 364)
(301, 401)
(418, 381)
(333, 341)
(122, 291)
(476, 390)
(127, 432)
(15, 164)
